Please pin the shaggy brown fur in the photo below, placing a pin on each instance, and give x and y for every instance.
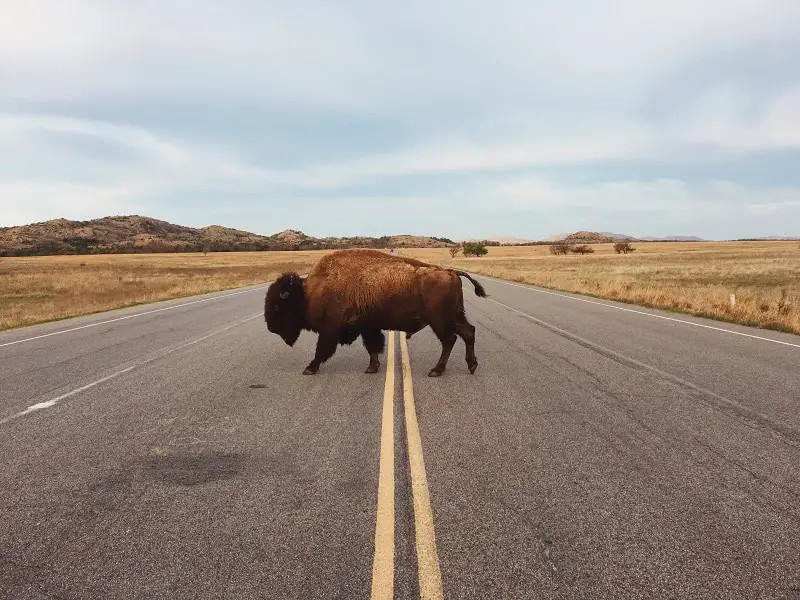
(363, 292)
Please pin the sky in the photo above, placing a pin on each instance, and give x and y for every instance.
(456, 118)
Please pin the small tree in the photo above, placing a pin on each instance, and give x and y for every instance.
(454, 250)
(623, 247)
(582, 249)
(560, 248)
(475, 249)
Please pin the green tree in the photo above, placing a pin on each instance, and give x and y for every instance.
(475, 249)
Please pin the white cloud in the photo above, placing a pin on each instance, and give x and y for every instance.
(714, 199)
(167, 165)
(444, 93)
(465, 155)
(722, 123)
(29, 202)
(387, 58)
(153, 162)
(82, 50)
(730, 119)
(149, 145)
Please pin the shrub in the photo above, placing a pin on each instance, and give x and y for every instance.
(623, 247)
(582, 249)
(559, 248)
(454, 250)
(474, 249)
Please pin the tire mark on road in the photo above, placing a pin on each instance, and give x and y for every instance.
(749, 417)
(52, 402)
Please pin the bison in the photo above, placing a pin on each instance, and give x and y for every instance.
(352, 293)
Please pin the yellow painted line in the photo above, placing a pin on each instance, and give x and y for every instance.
(430, 576)
(383, 561)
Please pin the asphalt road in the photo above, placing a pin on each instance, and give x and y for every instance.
(600, 451)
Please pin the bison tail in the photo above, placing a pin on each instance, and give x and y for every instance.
(479, 291)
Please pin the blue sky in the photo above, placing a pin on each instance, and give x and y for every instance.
(461, 119)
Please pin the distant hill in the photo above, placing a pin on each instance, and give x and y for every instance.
(588, 237)
(771, 238)
(673, 238)
(501, 240)
(138, 234)
(606, 237)
(619, 237)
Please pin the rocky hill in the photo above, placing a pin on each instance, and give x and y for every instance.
(137, 234)
(605, 237)
(589, 237)
(501, 240)
(673, 238)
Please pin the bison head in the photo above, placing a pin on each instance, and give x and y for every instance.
(284, 307)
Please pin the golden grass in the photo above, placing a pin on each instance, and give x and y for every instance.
(694, 278)
(38, 289)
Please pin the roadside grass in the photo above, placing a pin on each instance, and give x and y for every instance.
(691, 278)
(40, 289)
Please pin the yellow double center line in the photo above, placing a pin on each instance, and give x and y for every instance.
(430, 577)
(383, 562)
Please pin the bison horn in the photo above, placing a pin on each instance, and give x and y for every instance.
(284, 295)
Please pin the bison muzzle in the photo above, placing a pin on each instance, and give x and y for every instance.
(352, 293)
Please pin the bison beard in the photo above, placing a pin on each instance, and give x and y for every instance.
(352, 293)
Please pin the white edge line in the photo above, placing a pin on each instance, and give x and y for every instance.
(638, 312)
(643, 365)
(52, 402)
(149, 312)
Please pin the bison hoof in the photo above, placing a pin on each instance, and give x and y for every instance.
(310, 371)
(472, 367)
(372, 369)
(434, 373)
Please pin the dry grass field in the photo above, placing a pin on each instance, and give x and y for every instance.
(38, 289)
(695, 278)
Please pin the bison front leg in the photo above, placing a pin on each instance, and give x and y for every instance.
(326, 346)
(374, 342)
(448, 339)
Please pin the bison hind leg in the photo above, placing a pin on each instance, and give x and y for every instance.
(448, 339)
(374, 342)
(466, 332)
